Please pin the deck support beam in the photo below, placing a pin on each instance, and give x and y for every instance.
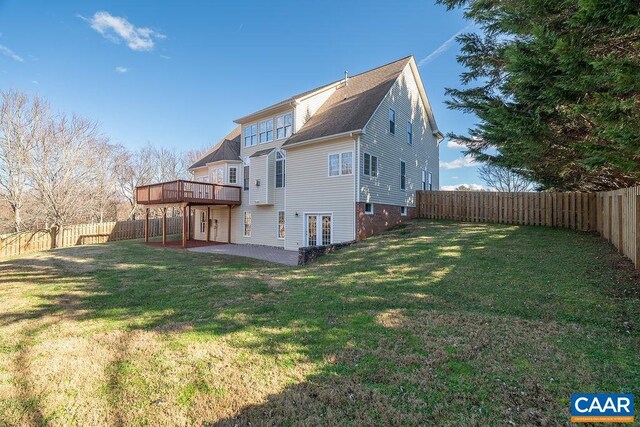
(185, 220)
(188, 222)
(164, 226)
(146, 225)
(229, 225)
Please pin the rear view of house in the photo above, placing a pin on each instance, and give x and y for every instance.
(333, 164)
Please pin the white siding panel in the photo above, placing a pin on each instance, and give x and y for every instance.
(390, 149)
(310, 189)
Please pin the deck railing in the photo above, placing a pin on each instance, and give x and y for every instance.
(182, 191)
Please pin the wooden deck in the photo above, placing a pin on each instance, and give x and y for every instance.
(188, 193)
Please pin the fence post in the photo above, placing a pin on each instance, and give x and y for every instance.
(620, 224)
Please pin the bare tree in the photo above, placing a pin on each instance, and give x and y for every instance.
(21, 123)
(503, 179)
(61, 168)
(133, 169)
(103, 176)
(169, 165)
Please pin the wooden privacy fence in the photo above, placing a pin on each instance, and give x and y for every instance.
(83, 234)
(613, 214)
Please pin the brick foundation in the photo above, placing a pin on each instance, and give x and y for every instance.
(384, 217)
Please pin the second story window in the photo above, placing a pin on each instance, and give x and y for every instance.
(430, 181)
(392, 120)
(403, 176)
(279, 169)
(233, 175)
(284, 126)
(423, 179)
(250, 135)
(370, 165)
(266, 131)
(409, 133)
(341, 164)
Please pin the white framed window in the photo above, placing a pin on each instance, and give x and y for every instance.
(250, 135)
(280, 178)
(370, 165)
(409, 133)
(430, 181)
(392, 121)
(233, 175)
(281, 230)
(368, 208)
(341, 163)
(203, 222)
(247, 224)
(284, 125)
(423, 179)
(217, 175)
(403, 176)
(265, 128)
(403, 211)
(245, 173)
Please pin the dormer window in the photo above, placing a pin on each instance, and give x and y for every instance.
(266, 131)
(250, 135)
(284, 126)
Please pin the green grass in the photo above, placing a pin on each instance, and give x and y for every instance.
(434, 323)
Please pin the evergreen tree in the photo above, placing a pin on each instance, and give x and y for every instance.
(556, 88)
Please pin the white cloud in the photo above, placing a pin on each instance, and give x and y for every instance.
(11, 54)
(117, 29)
(35, 82)
(455, 143)
(121, 70)
(473, 187)
(461, 162)
(443, 47)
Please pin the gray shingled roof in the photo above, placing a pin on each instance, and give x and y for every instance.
(350, 107)
(262, 152)
(228, 149)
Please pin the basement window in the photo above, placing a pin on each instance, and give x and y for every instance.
(368, 208)
(403, 211)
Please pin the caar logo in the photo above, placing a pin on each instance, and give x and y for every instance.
(603, 408)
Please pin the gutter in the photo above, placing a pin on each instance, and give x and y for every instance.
(352, 133)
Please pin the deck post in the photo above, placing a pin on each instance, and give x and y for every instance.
(146, 225)
(229, 225)
(164, 226)
(188, 222)
(184, 226)
(208, 223)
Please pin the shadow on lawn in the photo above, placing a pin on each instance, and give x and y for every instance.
(349, 313)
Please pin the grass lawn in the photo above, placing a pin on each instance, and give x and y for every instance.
(437, 322)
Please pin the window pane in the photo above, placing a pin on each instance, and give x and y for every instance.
(312, 232)
(233, 175)
(326, 229)
(247, 224)
(409, 133)
(402, 175)
(288, 119)
(347, 163)
(367, 164)
(281, 224)
(392, 121)
(374, 166)
(334, 164)
(279, 173)
(246, 177)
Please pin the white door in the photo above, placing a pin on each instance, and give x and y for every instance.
(318, 229)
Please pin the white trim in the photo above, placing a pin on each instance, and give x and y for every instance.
(351, 133)
(339, 154)
(305, 226)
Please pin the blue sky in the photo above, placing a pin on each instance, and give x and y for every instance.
(176, 73)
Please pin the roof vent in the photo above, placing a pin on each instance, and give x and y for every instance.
(346, 78)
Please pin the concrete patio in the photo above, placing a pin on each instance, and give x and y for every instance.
(265, 253)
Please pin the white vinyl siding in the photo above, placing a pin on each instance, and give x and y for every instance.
(404, 99)
(311, 191)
